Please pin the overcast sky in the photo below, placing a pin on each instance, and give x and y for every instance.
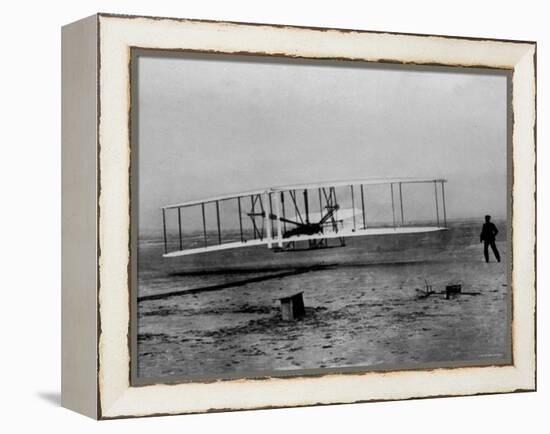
(210, 125)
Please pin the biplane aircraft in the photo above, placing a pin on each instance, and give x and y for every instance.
(283, 218)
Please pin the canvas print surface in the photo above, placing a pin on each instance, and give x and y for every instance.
(298, 216)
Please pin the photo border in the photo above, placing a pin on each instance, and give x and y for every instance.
(135, 380)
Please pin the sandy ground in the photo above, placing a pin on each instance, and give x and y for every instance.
(220, 314)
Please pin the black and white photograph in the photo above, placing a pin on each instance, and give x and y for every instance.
(298, 216)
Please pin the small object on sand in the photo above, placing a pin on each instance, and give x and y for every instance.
(424, 294)
(452, 290)
(292, 307)
(427, 292)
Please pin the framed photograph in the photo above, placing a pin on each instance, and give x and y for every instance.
(262, 216)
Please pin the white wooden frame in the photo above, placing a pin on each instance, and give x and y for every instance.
(96, 217)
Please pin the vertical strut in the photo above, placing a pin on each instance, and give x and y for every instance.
(278, 216)
(401, 203)
(204, 226)
(283, 206)
(218, 219)
(392, 204)
(436, 203)
(444, 208)
(297, 214)
(306, 205)
(363, 208)
(270, 212)
(164, 230)
(267, 223)
(353, 207)
(252, 211)
(333, 203)
(240, 219)
(179, 228)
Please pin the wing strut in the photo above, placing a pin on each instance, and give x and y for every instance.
(253, 214)
(283, 206)
(296, 208)
(444, 209)
(204, 226)
(164, 230)
(306, 205)
(401, 204)
(218, 218)
(268, 223)
(363, 208)
(179, 228)
(353, 207)
(392, 204)
(436, 203)
(240, 219)
(279, 229)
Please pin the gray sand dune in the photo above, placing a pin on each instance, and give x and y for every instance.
(362, 307)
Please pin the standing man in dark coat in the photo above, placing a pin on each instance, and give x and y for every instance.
(487, 236)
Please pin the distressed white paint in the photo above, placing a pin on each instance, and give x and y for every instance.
(117, 35)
